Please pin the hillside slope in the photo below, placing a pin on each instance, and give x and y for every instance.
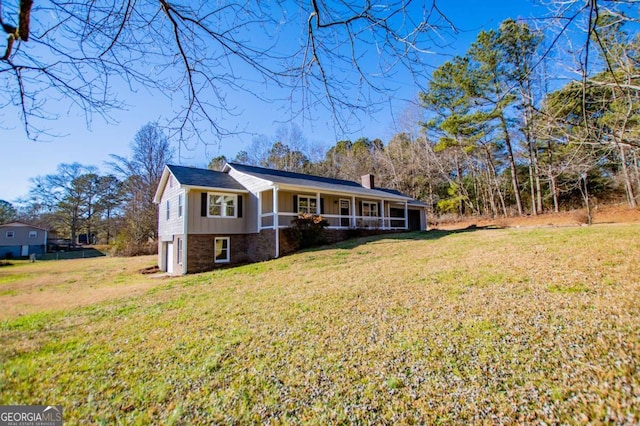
(495, 326)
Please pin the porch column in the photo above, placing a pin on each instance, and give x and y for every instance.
(318, 212)
(382, 213)
(276, 225)
(353, 212)
(406, 215)
(259, 228)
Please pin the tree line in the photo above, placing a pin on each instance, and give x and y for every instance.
(115, 208)
(495, 137)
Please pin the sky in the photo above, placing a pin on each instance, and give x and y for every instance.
(92, 143)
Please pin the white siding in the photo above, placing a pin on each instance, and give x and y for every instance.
(253, 184)
(173, 226)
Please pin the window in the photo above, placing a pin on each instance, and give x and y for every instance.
(369, 208)
(222, 205)
(307, 204)
(221, 250)
(168, 210)
(179, 205)
(10, 234)
(33, 234)
(179, 251)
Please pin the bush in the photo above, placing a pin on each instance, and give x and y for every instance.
(124, 246)
(307, 230)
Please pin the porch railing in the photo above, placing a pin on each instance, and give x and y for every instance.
(338, 221)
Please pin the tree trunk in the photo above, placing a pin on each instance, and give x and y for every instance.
(636, 170)
(494, 180)
(512, 164)
(534, 210)
(554, 191)
(585, 195)
(631, 198)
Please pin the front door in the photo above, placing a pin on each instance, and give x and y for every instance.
(170, 258)
(345, 213)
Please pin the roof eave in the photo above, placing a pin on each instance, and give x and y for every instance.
(215, 188)
(345, 192)
(163, 182)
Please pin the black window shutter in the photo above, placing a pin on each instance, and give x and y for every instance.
(380, 209)
(295, 204)
(203, 204)
(361, 212)
(240, 197)
(321, 205)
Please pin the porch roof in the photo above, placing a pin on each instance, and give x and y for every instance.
(316, 183)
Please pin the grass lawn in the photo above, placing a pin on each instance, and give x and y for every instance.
(484, 326)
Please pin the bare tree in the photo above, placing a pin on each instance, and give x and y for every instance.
(141, 173)
(340, 55)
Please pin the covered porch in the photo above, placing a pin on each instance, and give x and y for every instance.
(278, 206)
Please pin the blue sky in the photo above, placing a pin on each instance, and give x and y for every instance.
(24, 159)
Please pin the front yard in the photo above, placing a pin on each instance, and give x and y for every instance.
(477, 326)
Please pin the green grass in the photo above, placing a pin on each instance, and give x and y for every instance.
(490, 326)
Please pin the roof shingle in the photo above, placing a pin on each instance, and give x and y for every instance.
(316, 182)
(192, 176)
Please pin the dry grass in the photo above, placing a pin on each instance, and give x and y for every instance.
(27, 288)
(600, 215)
(489, 326)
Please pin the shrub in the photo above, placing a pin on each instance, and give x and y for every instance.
(124, 246)
(307, 230)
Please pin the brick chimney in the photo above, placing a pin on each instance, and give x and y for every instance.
(368, 181)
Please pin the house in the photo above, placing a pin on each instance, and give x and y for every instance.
(210, 218)
(19, 239)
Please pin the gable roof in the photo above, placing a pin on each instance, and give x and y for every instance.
(314, 182)
(197, 178)
(191, 176)
(22, 225)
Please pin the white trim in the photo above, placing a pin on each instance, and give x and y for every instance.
(370, 203)
(406, 216)
(185, 232)
(259, 211)
(214, 189)
(276, 225)
(341, 216)
(215, 244)
(381, 213)
(381, 195)
(309, 198)
(223, 206)
(180, 250)
(354, 221)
